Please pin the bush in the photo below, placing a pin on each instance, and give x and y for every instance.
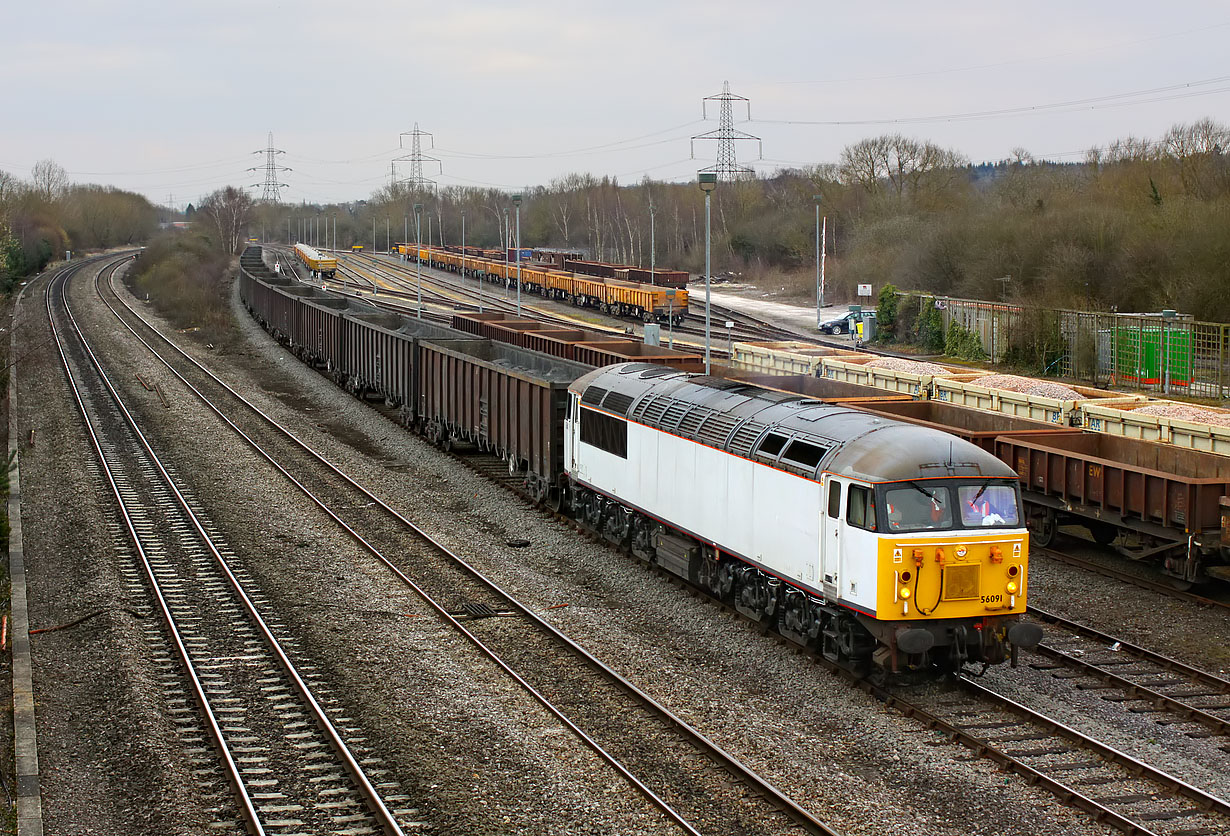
(929, 327)
(964, 343)
(186, 278)
(886, 314)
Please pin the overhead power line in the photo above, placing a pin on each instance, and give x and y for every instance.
(1155, 94)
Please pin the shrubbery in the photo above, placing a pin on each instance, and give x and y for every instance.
(186, 277)
(963, 343)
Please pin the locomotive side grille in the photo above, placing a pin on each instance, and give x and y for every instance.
(745, 437)
(593, 395)
(673, 415)
(654, 410)
(617, 402)
(692, 421)
(961, 582)
(716, 428)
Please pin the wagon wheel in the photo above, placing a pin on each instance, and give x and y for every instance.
(1043, 528)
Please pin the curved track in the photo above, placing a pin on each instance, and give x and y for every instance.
(285, 760)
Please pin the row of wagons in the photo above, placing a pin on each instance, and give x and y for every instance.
(610, 295)
(1123, 414)
(448, 384)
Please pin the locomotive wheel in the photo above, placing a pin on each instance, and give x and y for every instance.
(618, 524)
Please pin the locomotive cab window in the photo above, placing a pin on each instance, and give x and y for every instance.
(988, 504)
(860, 508)
(606, 432)
(918, 506)
(834, 500)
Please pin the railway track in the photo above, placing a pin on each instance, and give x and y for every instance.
(1143, 680)
(1161, 584)
(692, 780)
(283, 756)
(1116, 789)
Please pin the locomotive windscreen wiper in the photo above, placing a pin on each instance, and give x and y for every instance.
(922, 490)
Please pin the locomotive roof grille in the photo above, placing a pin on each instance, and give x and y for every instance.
(691, 422)
(716, 429)
(744, 437)
(808, 435)
(618, 402)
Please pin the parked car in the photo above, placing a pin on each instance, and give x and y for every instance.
(840, 325)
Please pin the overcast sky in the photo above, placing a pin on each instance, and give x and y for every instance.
(171, 99)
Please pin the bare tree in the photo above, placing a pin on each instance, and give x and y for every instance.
(1198, 148)
(50, 180)
(900, 163)
(10, 187)
(228, 210)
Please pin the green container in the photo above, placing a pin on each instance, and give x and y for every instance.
(1145, 356)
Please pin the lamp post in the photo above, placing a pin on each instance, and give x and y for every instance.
(505, 247)
(463, 260)
(670, 317)
(819, 286)
(517, 203)
(653, 276)
(707, 180)
(418, 264)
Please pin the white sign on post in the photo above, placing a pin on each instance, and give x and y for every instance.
(864, 290)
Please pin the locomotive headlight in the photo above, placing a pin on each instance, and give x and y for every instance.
(904, 592)
(1011, 587)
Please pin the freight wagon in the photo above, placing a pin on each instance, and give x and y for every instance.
(593, 348)
(324, 266)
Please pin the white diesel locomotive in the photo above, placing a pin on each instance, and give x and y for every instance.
(880, 543)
